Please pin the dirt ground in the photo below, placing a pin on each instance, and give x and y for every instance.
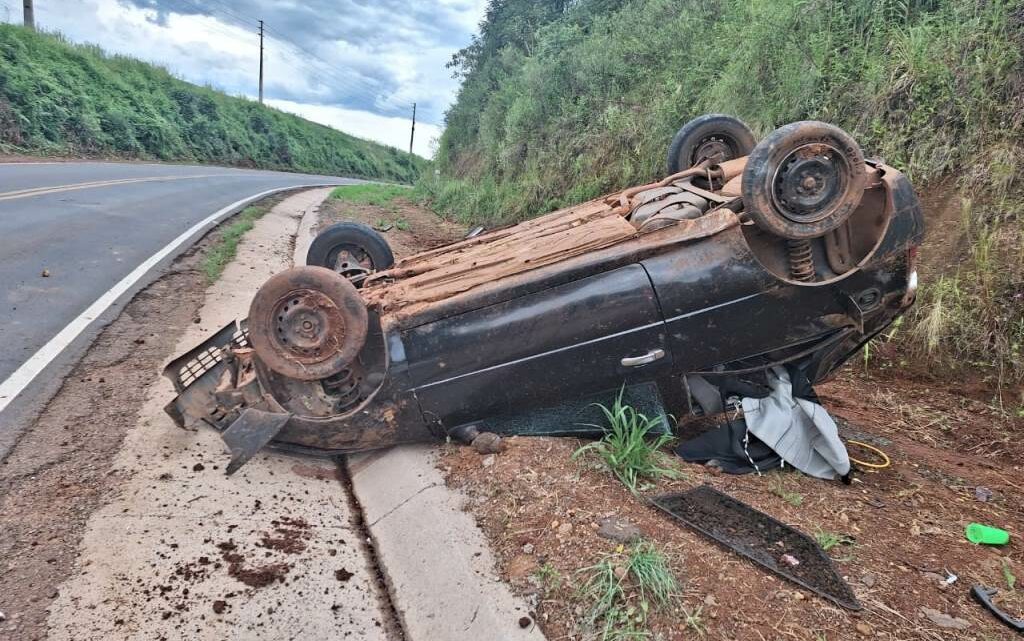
(64, 461)
(949, 450)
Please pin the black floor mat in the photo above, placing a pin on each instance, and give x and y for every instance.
(761, 539)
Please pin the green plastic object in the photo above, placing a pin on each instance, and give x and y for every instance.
(978, 533)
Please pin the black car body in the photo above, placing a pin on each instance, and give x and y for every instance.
(519, 329)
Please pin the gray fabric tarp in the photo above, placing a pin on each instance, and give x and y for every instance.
(800, 431)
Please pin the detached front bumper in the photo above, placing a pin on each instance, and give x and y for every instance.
(217, 385)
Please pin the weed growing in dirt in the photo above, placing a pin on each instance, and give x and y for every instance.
(779, 489)
(625, 448)
(402, 224)
(378, 195)
(548, 576)
(224, 251)
(623, 587)
(828, 540)
(694, 621)
(1011, 580)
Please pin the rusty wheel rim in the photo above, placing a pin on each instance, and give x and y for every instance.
(714, 148)
(810, 182)
(307, 323)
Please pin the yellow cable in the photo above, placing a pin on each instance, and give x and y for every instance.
(874, 466)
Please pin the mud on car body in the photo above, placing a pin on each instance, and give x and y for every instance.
(794, 250)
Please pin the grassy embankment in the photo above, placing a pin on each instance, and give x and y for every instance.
(58, 98)
(562, 101)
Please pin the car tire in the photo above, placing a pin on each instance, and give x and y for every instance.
(803, 180)
(307, 323)
(717, 134)
(369, 249)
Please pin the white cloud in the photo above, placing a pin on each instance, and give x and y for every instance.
(384, 129)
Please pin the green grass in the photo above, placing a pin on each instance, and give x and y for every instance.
(623, 587)
(827, 540)
(1008, 576)
(370, 194)
(224, 251)
(62, 98)
(627, 449)
(778, 488)
(548, 576)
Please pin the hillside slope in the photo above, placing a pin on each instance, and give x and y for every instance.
(564, 100)
(60, 98)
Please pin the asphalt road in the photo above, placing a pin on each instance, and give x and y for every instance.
(89, 225)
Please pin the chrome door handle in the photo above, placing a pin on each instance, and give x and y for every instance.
(649, 357)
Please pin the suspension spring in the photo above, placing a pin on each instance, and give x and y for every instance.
(345, 386)
(801, 260)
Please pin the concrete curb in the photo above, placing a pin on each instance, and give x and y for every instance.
(436, 561)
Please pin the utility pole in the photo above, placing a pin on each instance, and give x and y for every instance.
(261, 57)
(412, 134)
(30, 16)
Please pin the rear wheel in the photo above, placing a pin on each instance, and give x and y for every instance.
(714, 137)
(803, 180)
(351, 249)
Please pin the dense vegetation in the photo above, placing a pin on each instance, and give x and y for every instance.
(563, 100)
(59, 98)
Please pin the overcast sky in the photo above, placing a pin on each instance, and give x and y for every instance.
(357, 65)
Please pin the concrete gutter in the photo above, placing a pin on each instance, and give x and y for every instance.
(436, 561)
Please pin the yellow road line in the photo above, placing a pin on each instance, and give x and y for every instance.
(43, 191)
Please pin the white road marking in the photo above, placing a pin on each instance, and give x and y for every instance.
(42, 191)
(27, 372)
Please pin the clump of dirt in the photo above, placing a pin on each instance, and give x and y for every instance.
(343, 575)
(899, 530)
(289, 536)
(258, 576)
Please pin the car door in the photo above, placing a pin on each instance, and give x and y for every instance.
(561, 343)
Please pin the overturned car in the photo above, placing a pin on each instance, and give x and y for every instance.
(794, 250)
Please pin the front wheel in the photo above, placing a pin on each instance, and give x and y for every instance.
(353, 250)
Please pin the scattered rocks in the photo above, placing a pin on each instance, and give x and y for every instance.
(198, 467)
(983, 494)
(565, 529)
(488, 461)
(525, 622)
(488, 443)
(616, 529)
(944, 620)
(219, 606)
(46, 273)
(864, 628)
(868, 579)
(528, 548)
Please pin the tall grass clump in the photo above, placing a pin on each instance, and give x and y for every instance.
(623, 587)
(66, 99)
(627, 448)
